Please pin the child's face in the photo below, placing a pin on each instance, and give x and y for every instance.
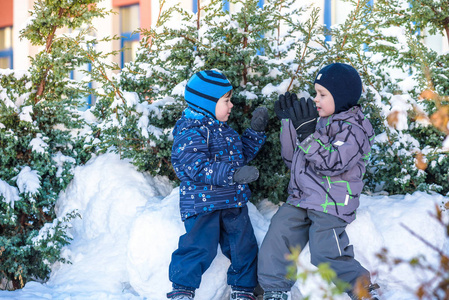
(223, 107)
(324, 101)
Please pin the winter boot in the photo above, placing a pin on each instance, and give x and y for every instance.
(275, 295)
(242, 295)
(180, 294)
(373, 295)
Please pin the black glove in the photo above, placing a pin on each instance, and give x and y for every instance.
(303, 115)
(282, 106)
(246, 174)
(260, 119)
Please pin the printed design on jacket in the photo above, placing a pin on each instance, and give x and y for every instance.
(329, 184)
(327, 168)
(205, 155)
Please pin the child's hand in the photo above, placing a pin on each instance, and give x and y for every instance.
(260, 119)
(246, 174)
(303, 115)
(282, 106)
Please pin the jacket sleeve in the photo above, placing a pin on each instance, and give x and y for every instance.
(190, 158)
(252, 143)
(288, 139)
(334, 155)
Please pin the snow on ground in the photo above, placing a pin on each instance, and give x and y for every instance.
(130, 226)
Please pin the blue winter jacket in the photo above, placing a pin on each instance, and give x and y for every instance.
(205, 155)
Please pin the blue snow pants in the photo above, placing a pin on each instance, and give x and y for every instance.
(231, 229)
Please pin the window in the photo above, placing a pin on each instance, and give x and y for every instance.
(226, 5)
(6, 48)
(129, 22)
(336, 12)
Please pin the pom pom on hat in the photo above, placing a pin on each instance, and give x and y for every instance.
(343, 82)
(204, 89)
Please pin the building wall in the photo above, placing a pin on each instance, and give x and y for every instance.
(6, 13)
(6, 22)
(22, 48)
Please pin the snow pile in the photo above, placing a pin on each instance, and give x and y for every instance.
(130, 225)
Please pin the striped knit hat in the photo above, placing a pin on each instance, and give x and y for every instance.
(204, 89)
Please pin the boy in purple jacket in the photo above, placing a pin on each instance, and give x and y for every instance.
(326, 148)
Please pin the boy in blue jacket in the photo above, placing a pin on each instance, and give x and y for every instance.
(210, 159)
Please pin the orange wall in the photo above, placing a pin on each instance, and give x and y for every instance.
(145, 14)
(124, 2)
(6, 16)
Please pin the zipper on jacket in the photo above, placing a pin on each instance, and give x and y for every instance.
(328, 182)
(207, 140)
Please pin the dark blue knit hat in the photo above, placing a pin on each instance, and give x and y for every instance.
(343, 82)
(204, 89)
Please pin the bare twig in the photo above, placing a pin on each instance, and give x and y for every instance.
(198, 3)
(49, 43)
(441, 253)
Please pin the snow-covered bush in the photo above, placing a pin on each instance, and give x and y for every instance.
(265, 52)
(41, 141)
(406, 87)
(246, 45)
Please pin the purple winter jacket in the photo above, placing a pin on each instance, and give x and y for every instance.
(327, 168)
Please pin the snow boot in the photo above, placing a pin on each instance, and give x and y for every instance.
(373, 295)
(180, 294)
(275, 295)
(242, 295)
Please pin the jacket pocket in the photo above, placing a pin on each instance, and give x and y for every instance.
(354, 174)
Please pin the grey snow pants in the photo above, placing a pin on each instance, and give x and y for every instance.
(293, 227)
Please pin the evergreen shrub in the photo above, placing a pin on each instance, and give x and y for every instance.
(41, 141)
(266, 52)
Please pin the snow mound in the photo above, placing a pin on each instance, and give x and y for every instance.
(130, 225)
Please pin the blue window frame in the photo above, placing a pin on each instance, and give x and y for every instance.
(225, 5)
(6, 52)
(129, 41)
(77, 75)
(261, 51)
(328, 17)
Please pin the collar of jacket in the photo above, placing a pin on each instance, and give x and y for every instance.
(190, 113)
(341, 116)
